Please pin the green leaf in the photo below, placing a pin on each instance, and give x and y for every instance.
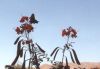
(76, 58)
(23, 65)
(40, 48)
(18, 53)
(24, 62)
(19, 47)
(54, 51)
(66, 62)
(17, 40)
(15, 60)
(55, 54)
(72, 57)
(21, 52)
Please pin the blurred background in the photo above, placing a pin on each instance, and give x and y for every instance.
(53, 16)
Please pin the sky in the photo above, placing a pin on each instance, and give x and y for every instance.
(53, 16)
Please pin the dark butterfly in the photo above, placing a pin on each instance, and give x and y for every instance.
(32, 19)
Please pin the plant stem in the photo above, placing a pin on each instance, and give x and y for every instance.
(63, 54)
(68, 40)
(64, 50)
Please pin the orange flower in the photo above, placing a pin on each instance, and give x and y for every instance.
(63, 32)
(23, 42)
(27, 27)
(74, 31)
(23, 19)
(24, 26)
(28, 41)
(18, 30)
(73, 35)
(69, 31)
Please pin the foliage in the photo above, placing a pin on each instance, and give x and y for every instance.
(69, 33)
(26, 45)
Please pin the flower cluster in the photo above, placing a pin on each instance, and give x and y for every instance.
(27, 41)
(69, 32)
(23, 19)
(26, 25)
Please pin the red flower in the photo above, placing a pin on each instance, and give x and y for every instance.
(23, 42)
(18, 30)
(23, 19)
(74, 31)
(63, 32)
(69, 31)
(73, 35)
(27, 27)
(28, 41)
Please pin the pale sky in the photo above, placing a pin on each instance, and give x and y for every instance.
(53, 16)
